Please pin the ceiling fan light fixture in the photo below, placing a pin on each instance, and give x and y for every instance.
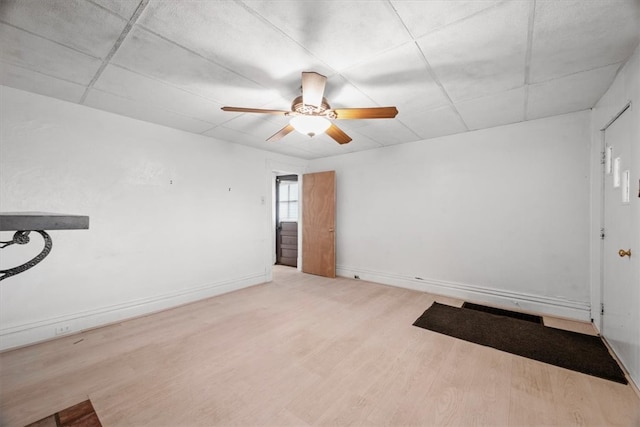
(310, 125)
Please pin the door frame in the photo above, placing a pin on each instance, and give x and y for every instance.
(273, 169)
(598, 294)
(276, 201)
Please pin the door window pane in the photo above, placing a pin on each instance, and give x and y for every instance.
(288, 206)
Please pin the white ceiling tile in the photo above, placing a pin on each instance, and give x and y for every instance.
(360, 142)
(148, 54)
(398, 77)
(229, 34)
(143, 111)
(434, 123)
(74, 23)
(421, 17)
(342, 94)
(577, 35)
(571, 93)
(227, 134)
(136, 87)
(340, 33)
(38, 54)
(124, 8)
(388, 131)
(480, 55)
(25, 79)
(493, 110)
(256, 125)
(184, 59)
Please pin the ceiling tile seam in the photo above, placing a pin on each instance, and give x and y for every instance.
(358, 89)
(336, 73)
(210, 129)
(275, 27)
(49, 40)
(436, 79)
(232, 118)
(369, 58)
(355, 85)
(355, 131)
(193, 52)
(125, 18)
(527, 60)
(475, 98)
(123, 35)
(430, 71)
(166, 83)
(578, 72)
(222, 124)
(410, 130)
(145, 106)
(395, 11)
(457, 21)
(42, 73)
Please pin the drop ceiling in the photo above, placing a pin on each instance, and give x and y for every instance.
(448, 66)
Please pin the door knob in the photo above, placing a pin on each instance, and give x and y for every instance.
(624, 253)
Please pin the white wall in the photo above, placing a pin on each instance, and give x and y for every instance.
(175, 217)
(499, 215)
(625, 88)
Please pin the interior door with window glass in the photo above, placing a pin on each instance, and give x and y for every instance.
(621, 261)
(287, 220)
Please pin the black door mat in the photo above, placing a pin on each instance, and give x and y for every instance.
(500, 312)
(571, 350)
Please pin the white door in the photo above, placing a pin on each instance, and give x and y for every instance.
(621, 284)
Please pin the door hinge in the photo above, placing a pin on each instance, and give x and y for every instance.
(603, 158)
(602, 234)
(601, 308)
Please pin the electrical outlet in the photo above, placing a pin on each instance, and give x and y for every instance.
(63, 329)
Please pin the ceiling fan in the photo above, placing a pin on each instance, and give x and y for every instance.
(311, 112)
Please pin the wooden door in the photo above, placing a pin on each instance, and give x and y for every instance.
(318, 223)
(287, 243)
(621, 269)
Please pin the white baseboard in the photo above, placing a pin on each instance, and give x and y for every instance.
(551, 306)
(44, 330)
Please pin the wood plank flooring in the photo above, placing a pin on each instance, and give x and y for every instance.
(301, 350)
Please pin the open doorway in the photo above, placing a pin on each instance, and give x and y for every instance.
(287, 207)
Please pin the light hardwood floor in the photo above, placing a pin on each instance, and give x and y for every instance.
(301, 350)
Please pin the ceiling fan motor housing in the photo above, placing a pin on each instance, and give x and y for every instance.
(309, 110)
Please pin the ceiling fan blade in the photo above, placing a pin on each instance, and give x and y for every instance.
(338, 134)
(254, 110)
(366, 113)
(281, 133)
(313, 88)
